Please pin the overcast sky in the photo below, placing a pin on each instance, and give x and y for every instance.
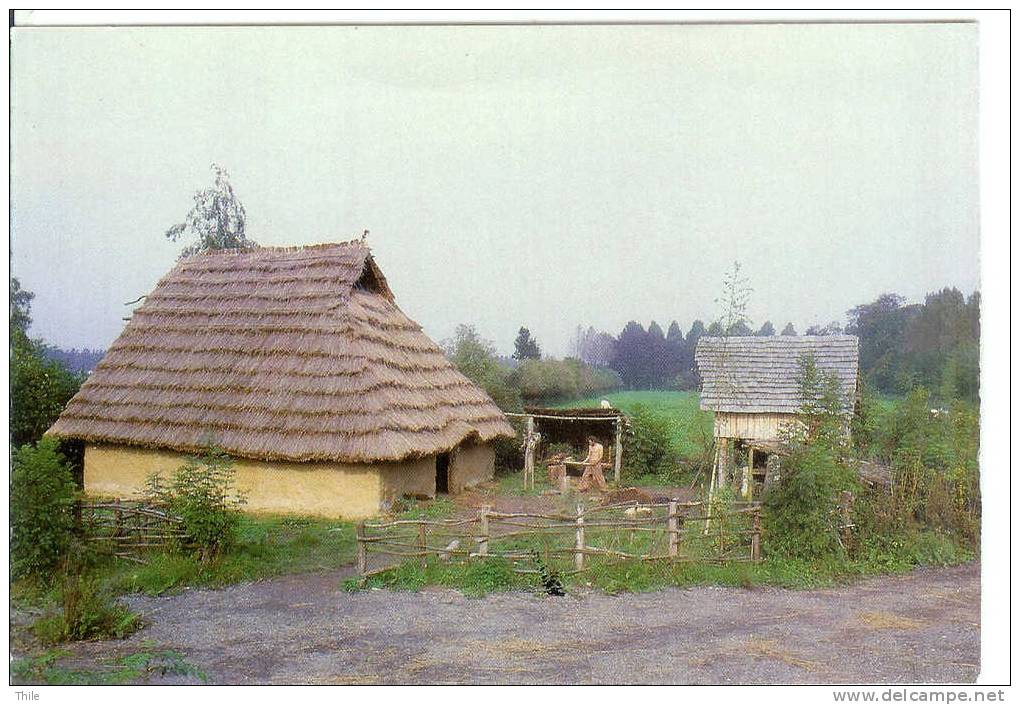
(538, 176)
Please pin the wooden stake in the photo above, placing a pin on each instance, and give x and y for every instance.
(618, 451)
(483, 521)
(579, 541)
(674, 534)
(422, 546)
(361, 549)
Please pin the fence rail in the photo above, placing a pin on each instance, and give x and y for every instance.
(128, 529)
(667, 531)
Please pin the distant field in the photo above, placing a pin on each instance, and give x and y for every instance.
(681, 408)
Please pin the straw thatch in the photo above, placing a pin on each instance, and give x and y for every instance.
(295, 354)
(751, 374)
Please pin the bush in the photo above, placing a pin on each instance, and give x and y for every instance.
(43, 495)
(648, 448)
(802, 516)
(561, 379)
(202, 493)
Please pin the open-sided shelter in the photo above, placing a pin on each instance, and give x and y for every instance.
(752, 384)
(298, 363)
(572, 426)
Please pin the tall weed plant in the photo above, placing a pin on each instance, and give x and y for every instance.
(202, 493)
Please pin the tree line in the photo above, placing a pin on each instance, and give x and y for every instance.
(648, 358)
(934, 344)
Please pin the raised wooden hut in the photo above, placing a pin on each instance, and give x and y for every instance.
(752, 385)
(298, 363)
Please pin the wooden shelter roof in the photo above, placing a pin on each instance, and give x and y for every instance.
(297, 354)
(752, 374)
(587, 413)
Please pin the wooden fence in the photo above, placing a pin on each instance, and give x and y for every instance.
(670, 531)
(129, 529)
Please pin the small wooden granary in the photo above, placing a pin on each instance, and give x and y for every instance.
(298, 363)
(752, 385)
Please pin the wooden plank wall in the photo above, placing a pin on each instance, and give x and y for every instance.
(750, 426)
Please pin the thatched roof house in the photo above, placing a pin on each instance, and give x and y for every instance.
(297, 362)
(752, 384)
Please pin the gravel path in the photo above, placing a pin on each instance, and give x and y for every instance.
(301, 629)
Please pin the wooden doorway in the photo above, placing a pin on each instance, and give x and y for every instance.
(443, 473)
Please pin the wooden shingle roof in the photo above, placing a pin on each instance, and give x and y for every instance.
(295, 354)
(752, 374)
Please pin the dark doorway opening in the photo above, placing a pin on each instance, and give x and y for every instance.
(443, 473)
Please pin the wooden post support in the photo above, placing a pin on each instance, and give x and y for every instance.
(362, 568)
(529, 453)
(618, 451)
(579, 542)
(745, 481)
(674, 533)
(422, 546)
(711, 490)
(483, 541)
(756, 537)
(723, 463)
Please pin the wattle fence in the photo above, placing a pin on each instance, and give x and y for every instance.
(670, 531)
(129, 529)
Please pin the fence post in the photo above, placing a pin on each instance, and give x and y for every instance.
(361, 549)
(756, 537)
(617, 450)
(483, 521)
(422, 546)
(579, 542)
(674, 538)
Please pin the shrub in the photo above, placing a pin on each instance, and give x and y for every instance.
(648, 448)
(802, 517)
(43, 494)
(561, 379)
(202, 493)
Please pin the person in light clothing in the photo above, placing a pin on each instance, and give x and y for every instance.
(593, 476)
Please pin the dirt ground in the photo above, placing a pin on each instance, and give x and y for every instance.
(302, 629)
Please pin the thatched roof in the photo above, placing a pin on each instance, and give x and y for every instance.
(280, 354)
(752, 374)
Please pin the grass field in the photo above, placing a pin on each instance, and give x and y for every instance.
(690, 425)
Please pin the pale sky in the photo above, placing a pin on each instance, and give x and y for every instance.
(537, 176)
